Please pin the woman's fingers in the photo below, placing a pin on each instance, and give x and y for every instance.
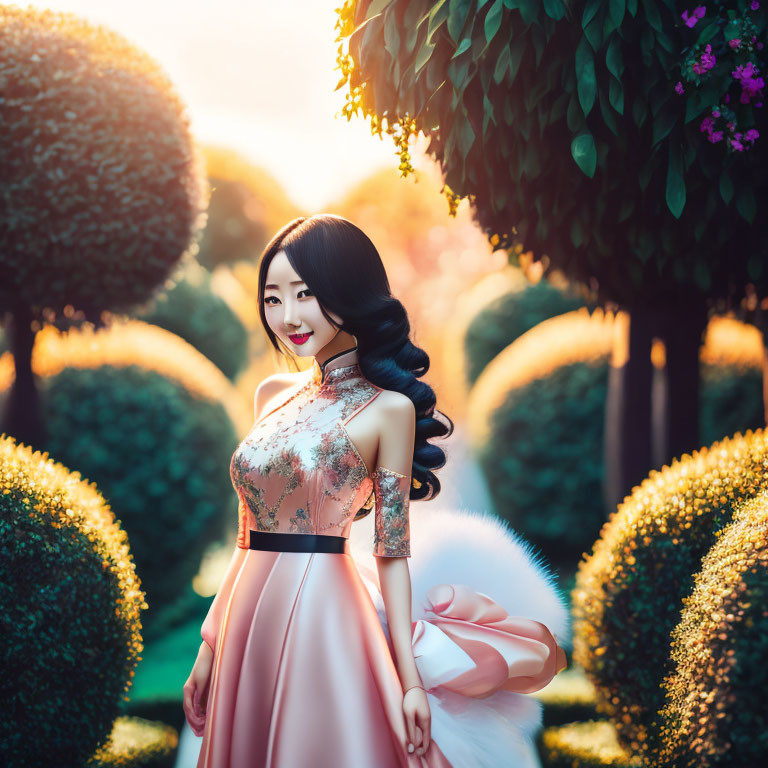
(195, 719)
(425, 728)
(410, 724)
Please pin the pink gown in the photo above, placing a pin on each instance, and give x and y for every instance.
(302, 673)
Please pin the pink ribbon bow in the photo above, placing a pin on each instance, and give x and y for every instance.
(473, 647)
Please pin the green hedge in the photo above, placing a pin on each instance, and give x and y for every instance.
(71, 602)
(138, 743)
(507, 317)
(192, 311)
(159, 453)
(591, 744)
(715, 712)
(543, 454)
(629, 591)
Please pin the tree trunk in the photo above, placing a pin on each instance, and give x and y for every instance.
(682, 330)
(627, 439)
(21, 419)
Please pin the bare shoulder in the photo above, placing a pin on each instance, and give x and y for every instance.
(395, 407)
(272, 386)
(396, 422)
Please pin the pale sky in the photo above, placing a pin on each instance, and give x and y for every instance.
(257, 76)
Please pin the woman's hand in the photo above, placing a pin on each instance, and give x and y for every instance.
(417, 719)
(196, 689)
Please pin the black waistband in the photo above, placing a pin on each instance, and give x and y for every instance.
(298, 542)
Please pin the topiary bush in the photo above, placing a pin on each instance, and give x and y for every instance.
(247, 206)
(71, 601)
(536, 423)
(191, 310)
(569, 697)
(154, 423)
(475, 299)
(731, 379)
(715, 712)
(137, 743)
(591, 744)
(509, 316)
(629, 590)
(537, 418)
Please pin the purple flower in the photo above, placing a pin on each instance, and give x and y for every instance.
(698, 13)
(679, 88)
(750, 86)
(707, 61)
(716, 136)
(715, 113)
(737, 145)
(754, 5)
(727, 98)
(759, 46)
(706, 125)
(735, 43)
(751, 134)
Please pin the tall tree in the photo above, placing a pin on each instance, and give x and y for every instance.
(604, 135)
(102, 188)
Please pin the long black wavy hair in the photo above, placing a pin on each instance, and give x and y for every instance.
(343, 269)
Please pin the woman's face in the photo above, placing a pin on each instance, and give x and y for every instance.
(292, 311)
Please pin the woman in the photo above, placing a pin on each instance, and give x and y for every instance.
(296, 669)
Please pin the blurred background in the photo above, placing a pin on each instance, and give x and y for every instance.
(149, 156)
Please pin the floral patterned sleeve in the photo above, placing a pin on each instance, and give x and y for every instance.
(392, 533)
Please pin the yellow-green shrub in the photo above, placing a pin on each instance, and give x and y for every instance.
(137, 743)
(629, 591)
(591, 744)
(154, 423)
(537, 419)
(71, 602)
(715, 713)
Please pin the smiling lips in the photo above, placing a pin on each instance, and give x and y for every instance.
(299, 338)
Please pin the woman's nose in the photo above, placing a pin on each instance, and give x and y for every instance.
(291, 315)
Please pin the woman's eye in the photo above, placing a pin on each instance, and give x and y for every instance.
(267, 300)
(306, 291)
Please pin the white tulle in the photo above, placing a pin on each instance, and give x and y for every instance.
(480, 551)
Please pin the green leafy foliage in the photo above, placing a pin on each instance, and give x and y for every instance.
(71, 612)
(657, 536)
(102, 186)
(715, 696)
(507, 317)
(192, 311)
(159, 453)
(560, 121)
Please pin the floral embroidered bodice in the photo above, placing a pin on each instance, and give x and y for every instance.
(298, 471)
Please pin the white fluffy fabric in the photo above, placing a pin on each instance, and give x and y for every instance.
(483, 552)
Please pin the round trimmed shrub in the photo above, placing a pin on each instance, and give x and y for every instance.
(536, 424)
(191, 310)
(247, 206)
(138, 743)
(474, 300)
(591, 744)
(715, 713)
(509, 316)
(154, 423)
(731, 379)
(569, 697)
(537, 419)
(629, 591)
(71, 601)
(102, 186)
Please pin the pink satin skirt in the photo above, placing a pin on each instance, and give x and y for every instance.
(302, 674)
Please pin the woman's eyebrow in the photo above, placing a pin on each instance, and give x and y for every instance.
(293, 282)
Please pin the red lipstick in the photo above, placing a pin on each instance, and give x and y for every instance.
(299, 338)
